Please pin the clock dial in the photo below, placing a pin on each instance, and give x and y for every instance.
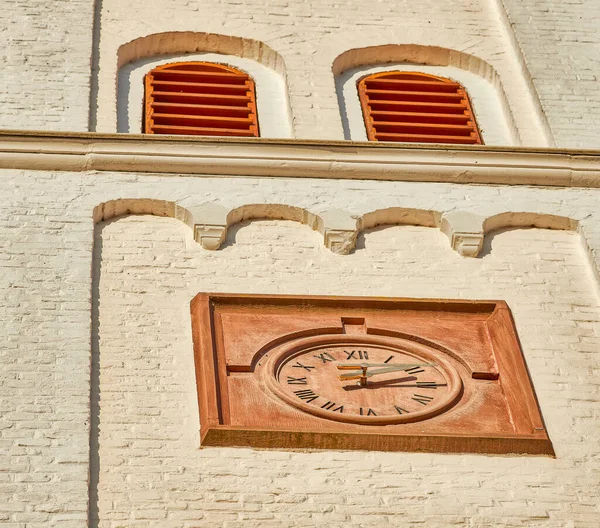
(368, 383)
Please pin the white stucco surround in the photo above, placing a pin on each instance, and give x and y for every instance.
(491, 109)
(271, 98)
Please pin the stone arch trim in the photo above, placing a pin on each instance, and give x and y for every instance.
(415, 54)
(210, 222)
(399, 216)
(182, 42)
(524, 219)
(586, 230)
(465, 230)
(139, 206)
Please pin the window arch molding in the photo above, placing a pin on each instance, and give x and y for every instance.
(494, 121)
(271, 96)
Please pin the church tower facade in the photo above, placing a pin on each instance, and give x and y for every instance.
(418, 180)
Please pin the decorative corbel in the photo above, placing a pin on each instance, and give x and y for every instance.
(339, 231)
(209, 223)
(464, 231)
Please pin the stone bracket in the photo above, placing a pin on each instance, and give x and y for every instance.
(339, 231)
(464, 231)
(209, 224)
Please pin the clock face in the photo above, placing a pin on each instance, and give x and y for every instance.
(367, 382)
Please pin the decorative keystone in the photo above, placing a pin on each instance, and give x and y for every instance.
(339, 231)
(464, 231)
(209, 222)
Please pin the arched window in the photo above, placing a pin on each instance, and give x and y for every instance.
(200, 99)
(416, 107)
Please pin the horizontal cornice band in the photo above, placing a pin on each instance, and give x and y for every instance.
(298, 159)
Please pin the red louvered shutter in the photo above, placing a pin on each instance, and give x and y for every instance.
(200, 99)
(416, 107)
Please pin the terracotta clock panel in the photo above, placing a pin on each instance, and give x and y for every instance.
(363, 373)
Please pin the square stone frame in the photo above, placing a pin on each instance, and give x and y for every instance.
(227, 342)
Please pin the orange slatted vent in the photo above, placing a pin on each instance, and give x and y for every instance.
(415, 107)
(200, 99)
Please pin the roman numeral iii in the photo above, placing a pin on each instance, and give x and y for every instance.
(423, 400)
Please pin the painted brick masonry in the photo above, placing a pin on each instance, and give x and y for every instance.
(147, 270)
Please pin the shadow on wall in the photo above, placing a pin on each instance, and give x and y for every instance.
(94, 478)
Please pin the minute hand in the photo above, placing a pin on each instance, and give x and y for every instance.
(365, 373)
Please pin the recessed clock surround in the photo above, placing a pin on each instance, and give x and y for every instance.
(363, 373)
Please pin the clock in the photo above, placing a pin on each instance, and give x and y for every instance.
(290, 372)
(368, 381)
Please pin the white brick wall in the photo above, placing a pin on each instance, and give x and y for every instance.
(309, 36)
(152, 474)
(561, 43)
(45, 56)
(46, 59)
(46, 241)
(145, 465)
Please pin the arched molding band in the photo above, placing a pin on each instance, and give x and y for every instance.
(465, 230)
(415, 54)
(523, 219)
(211, 223)
(399, 216)
(182, 42)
